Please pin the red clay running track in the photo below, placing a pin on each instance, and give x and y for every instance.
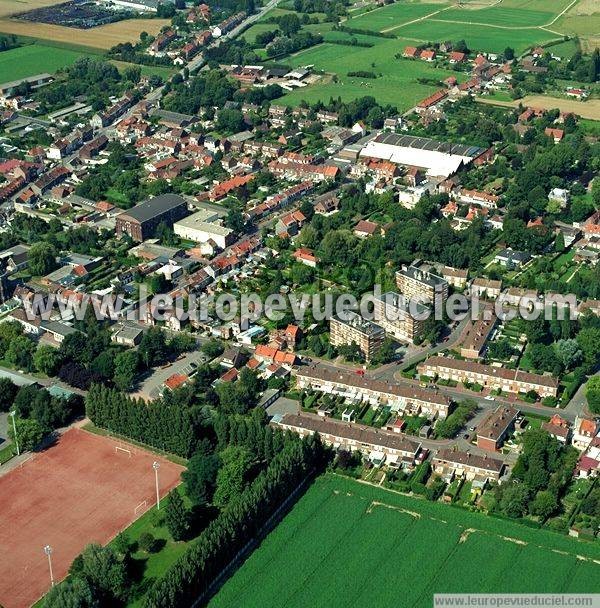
(79, 491)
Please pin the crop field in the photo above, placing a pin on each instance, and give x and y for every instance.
(589, 109)
(11, 7)
(397, 84)
(102, 37)
(349, 544)
(34, 59)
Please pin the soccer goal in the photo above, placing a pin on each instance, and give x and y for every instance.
(127, 451)
(141, 507)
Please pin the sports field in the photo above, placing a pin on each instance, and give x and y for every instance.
(353, 545)
(34, 59)
(79, 491)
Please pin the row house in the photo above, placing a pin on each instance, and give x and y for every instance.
(90, 150)
(278, 115)
(486, 288)
(355, 387)
(451, 463)
(10, 189)
(491, 377)
(103, 119)
(50, 179)
(327, 117)
(290, 224)
(432, 101)
(222, 189)
(204, 37)
(190, 50)
(292, 170)
(162, 41)
(377, 444)
(231, 22)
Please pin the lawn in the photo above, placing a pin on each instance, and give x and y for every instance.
(397, 81)
(349, 544)
(35, 59)
(390, 16)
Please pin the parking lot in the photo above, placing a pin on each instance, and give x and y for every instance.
(151, 385)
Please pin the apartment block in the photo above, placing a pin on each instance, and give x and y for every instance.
(366, 335)
(416, 283)
(393, 312)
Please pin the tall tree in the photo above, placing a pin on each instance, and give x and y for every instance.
(177, 516)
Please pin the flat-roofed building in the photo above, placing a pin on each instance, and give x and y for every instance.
(450, 463)
(421, 284)
(204, 226)
(494, 430)
(141, 221)
(392, 311)
(436, 158)
(375, 443)
(406, 399)
(489, 376)
(366, 335)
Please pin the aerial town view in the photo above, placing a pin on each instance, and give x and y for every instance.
(299, 303)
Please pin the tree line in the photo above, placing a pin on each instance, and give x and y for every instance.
(238, 523)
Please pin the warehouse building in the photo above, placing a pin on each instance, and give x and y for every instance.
(436, 158)
(204, 226)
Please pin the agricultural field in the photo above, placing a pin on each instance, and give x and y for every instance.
(102, 37)
(478, 37)
(589, 109)
(583, 20)
(397, 81)
(12, 7)
(34, 59)
(486, 26)
(346, 543)
(388, 18)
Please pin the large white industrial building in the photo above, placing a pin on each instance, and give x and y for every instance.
(437, 159)
(204, 226)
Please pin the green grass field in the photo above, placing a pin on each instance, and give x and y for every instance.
(397, 84)
(500, 15)
(392, 15)
(348, 544)
(35, 59)
(478, 37)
